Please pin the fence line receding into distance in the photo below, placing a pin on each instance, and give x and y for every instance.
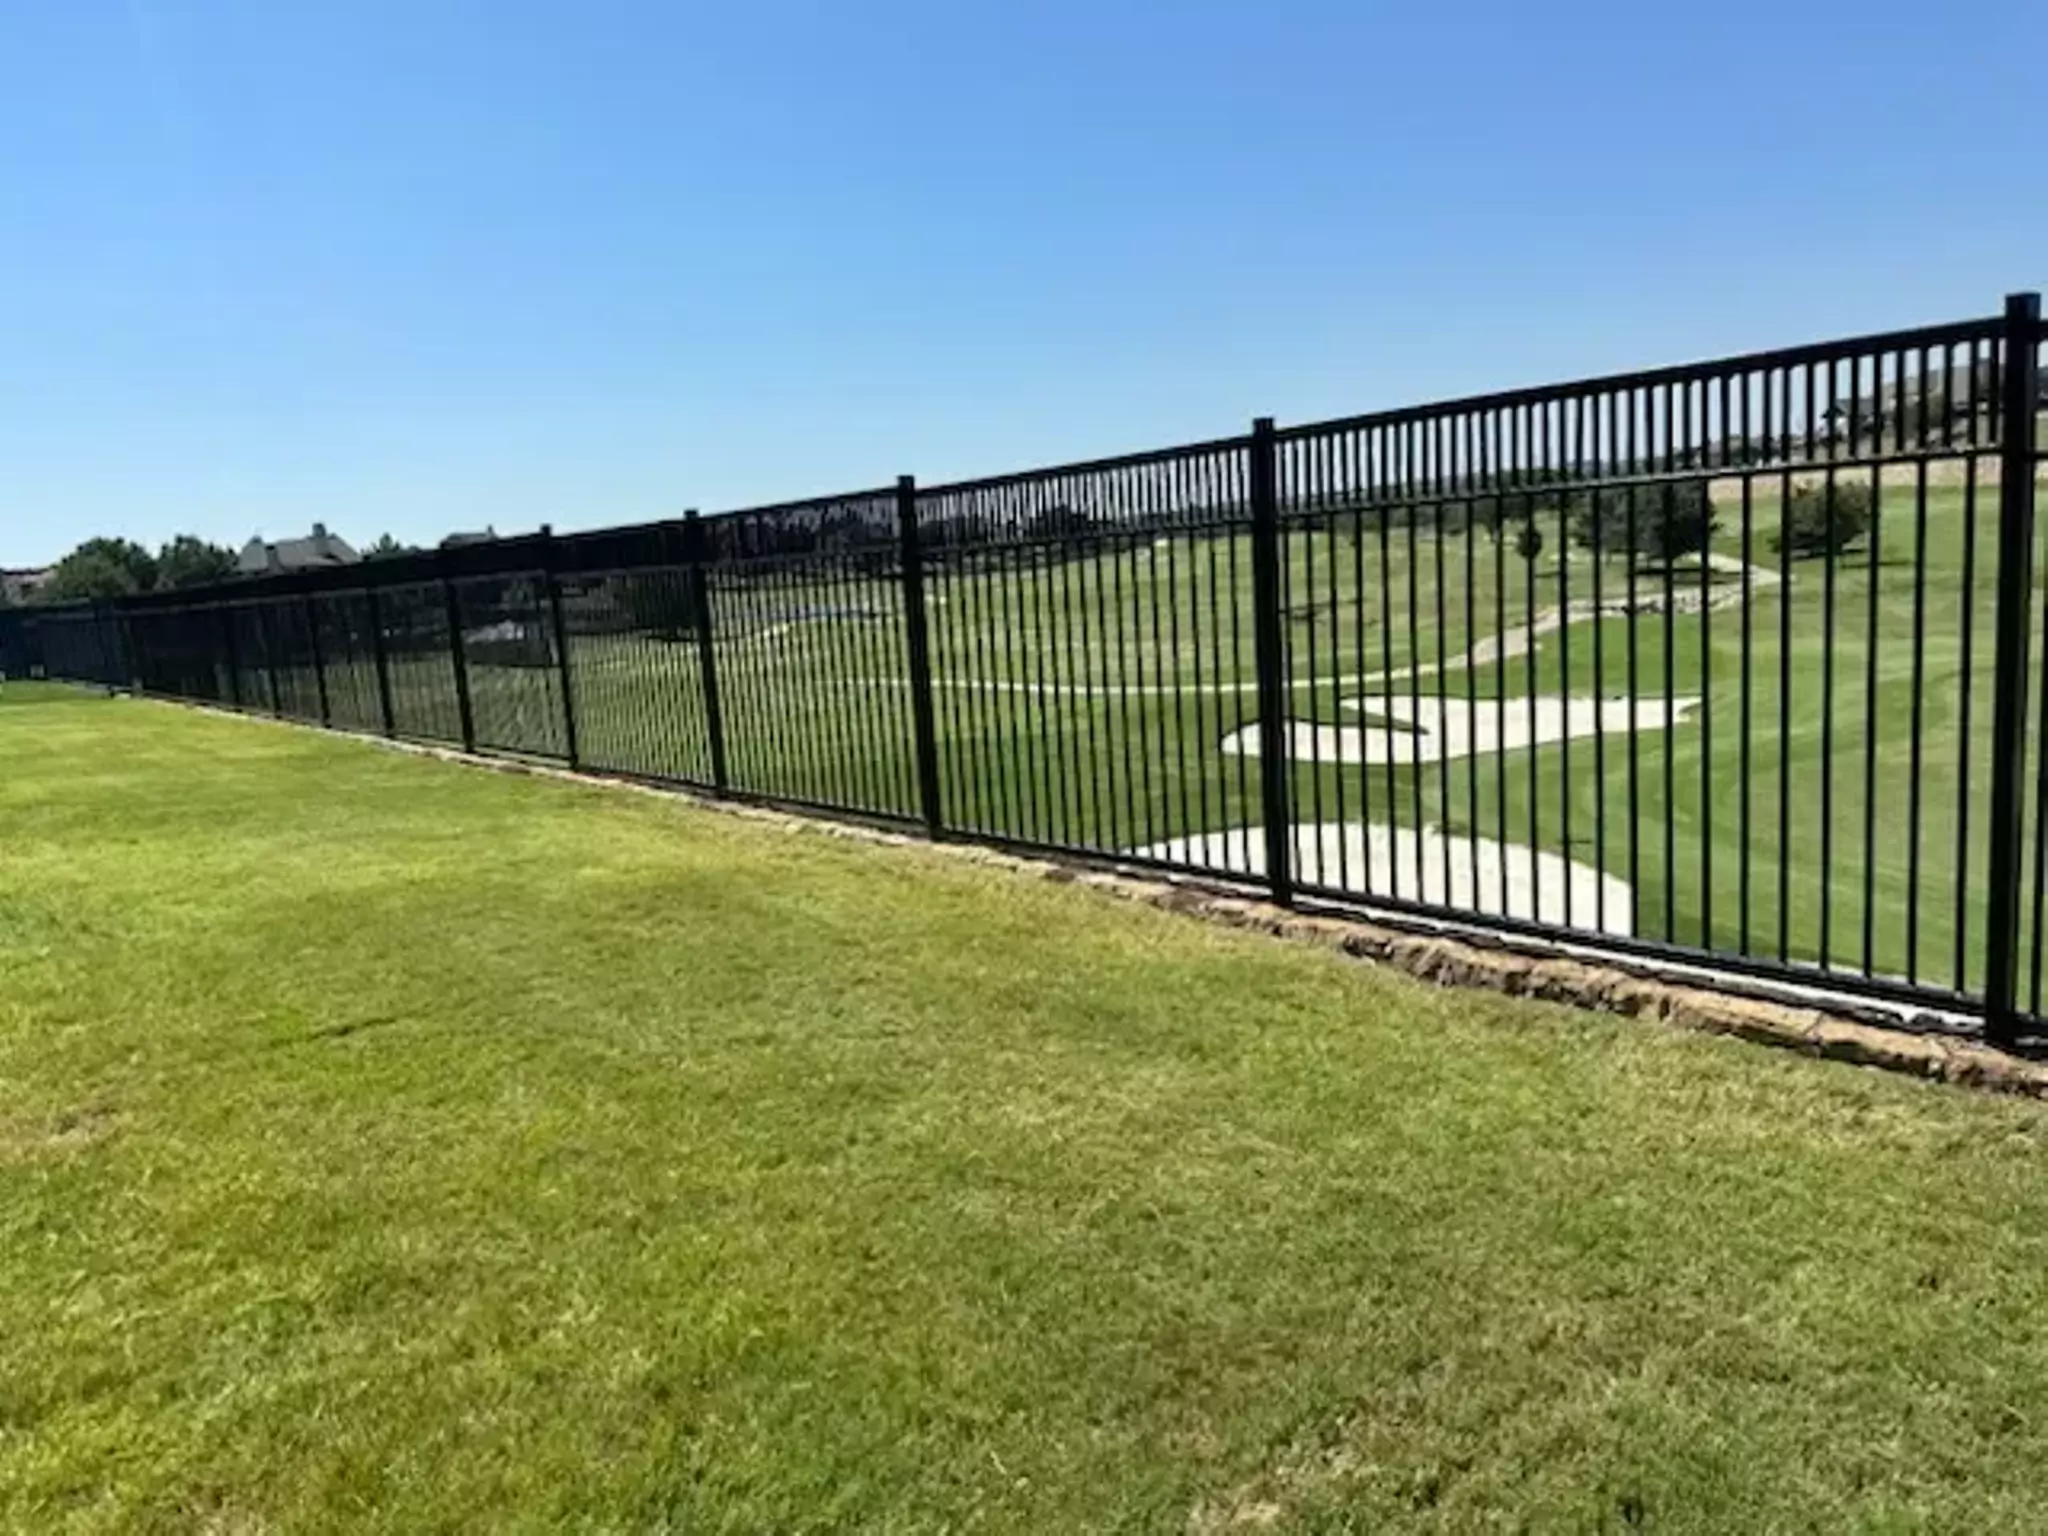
(1737, 663)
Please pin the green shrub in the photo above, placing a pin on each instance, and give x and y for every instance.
(1823, 519)
(1529, 540)
(1485, 513)
(1670, 521)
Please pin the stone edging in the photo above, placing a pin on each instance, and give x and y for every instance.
(1441, 958)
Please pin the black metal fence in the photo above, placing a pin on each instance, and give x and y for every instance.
(1732, 663)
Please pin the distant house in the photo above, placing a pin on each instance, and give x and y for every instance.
(322, 548)
(1948, 395)
(19, 584)
(457, 540)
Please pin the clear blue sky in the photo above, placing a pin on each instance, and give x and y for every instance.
(415, 265)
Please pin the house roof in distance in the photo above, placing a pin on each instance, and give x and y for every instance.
(320, 548)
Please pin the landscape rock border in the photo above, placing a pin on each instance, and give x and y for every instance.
(1863, 1035)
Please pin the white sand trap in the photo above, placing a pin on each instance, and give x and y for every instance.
(1433, 728)
(1379, 860)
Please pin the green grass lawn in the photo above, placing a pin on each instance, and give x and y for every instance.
(386, 1144)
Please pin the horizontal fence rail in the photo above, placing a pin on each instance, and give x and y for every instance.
(1736, 664)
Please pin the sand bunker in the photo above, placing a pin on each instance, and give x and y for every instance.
(1432, 729)
(1469, 874)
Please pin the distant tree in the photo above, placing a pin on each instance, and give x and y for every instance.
(100, 568)
(1823, 519)
(1489, 513)
(957, 530)
(658, 602)
(850, 528)
(1492, 511)
(1658, 522)
(385, 547)
(1058, 521)
(188, 561)
(1529, 540)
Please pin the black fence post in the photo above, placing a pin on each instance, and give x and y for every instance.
(2020, 388)
(126, 656)
(228, 649)
(128, 663)
(455, 652)
(383, 666)
(319, 659)
(918, 642)
(550, 564)
(107, 643)
(1269, 636)
(266, 631)
(707, 660)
